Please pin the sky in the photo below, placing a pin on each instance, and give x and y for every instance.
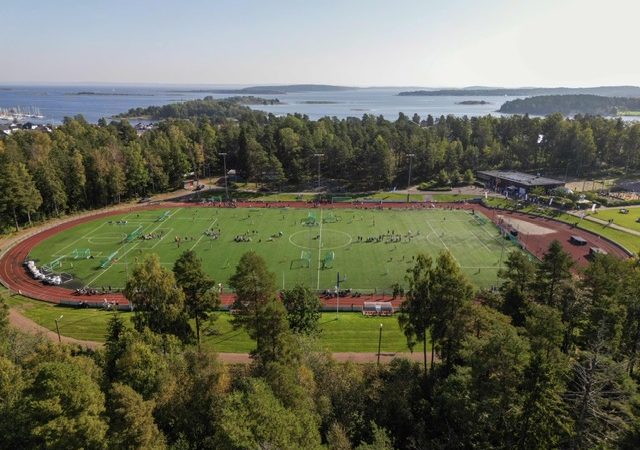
(444, 43)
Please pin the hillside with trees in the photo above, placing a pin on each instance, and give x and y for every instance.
(547, 360)
(84, 166)
(570, 105)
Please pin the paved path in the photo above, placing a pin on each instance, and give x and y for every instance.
(27, 325)
(612, 225)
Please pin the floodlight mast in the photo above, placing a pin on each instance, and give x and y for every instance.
(410, 156)
(226, 186)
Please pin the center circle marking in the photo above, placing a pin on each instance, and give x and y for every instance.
(304, 247)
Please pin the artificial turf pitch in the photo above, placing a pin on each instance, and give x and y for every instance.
(282, 238)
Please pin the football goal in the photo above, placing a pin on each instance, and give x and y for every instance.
(311, 220)
(81, 253)
(327, 260)
(135, 234)
(304, 262)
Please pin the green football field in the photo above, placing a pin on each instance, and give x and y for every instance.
(629, 220)
(307, 246)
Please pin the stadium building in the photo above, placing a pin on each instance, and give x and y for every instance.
(518, 183)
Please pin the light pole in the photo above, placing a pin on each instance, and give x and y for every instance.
(410, 155)
(318, 155)
(226, 187)
(58, 329)
(338, 281)
(379, 343)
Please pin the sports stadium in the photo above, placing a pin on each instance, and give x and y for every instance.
(345, 248)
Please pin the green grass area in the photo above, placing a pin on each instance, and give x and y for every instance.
(629, 220)
(294, 252)
(452, 197)
(627, 240)
(351, 332)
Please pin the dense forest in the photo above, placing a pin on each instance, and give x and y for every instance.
(570, 105)
(548, 360)
(81, 165)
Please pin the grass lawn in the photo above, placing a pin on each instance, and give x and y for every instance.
(629, 220)
(452, 197)
(296, 253)
(352, 332)
(627, 240)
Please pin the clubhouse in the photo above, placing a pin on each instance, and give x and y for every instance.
(519, 183)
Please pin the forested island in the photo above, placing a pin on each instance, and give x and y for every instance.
(611, 91)
(473, 102)
(274, 90)
(216, 109)
(570, 105)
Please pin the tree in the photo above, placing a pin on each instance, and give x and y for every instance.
(201, 297)
(254, 418)
(303, 309)
(468, 177)
(554, 269)
(272, 335)
(18, 192)
(64, 407)
(157, 300)
(131, 421)
(254, 286)
(451, 294)
(416, 312)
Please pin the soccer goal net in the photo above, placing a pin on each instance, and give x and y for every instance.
(164, 216)
(327, 260)
(331, 218)
(106, 262)
(311, 220)
(135, 234)
(81, 253)
(304, 262)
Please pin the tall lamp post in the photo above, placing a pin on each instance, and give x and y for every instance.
(338, 281)
(410, 155)
(318, 155)
(226, 187)
(379, 343)
(58, 329)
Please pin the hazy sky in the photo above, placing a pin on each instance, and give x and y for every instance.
(349, 42)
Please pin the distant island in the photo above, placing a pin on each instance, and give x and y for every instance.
(570, 105)
(473, 102)
(273, 90)
(607, 91)
(319, 102)
(215, 109)
(110, 94)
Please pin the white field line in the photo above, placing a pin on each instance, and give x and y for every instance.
(319, 250)
(202, 236)
(132, 247)
(160, 240)
(81, 238)
(445, 245)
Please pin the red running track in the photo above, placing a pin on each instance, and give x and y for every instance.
(16, 278)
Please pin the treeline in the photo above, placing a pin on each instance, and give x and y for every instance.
(610, 91)
(570, 105)
(546, 361)
(80, 165)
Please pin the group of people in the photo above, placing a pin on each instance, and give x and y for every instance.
(150, 236)
(389, 238)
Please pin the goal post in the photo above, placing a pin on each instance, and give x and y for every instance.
(304, 262)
